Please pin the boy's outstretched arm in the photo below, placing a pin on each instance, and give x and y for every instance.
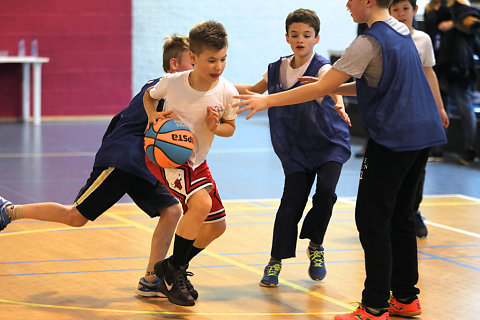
(332, 79)
(260, 87)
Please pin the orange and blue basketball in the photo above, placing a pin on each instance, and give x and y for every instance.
(168, 143)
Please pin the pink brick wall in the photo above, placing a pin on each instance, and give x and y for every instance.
(90, 49)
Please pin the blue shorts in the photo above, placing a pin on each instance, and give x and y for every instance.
(106, 186)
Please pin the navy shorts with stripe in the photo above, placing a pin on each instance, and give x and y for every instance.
(106, 186)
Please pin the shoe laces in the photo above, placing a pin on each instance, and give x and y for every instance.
(187, 282)
(273, 269)
(317, 257)
(179, 278)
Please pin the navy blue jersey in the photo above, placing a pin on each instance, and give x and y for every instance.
(306, 135)
(401, 113)
(122, 144)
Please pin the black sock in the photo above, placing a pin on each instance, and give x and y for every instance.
(406, 300)
(193, 252)
(376, 311)
(181, 250)
(275, 260)
(313, 246)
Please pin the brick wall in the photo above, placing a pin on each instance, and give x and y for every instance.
(89, 46)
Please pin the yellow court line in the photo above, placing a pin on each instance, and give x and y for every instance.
(29, 304)
(245, 267)
(17, 233)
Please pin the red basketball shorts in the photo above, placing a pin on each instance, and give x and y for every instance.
(183, 181)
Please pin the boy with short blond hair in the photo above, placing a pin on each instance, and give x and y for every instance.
(402, 122)
(203, 100)
(175, 54)
(119, 169)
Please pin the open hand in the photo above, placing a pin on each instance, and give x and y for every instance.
(252, 101)
(343, 113)
(213, 119)
(157, 116)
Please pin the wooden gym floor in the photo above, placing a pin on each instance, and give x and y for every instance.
(49, 271)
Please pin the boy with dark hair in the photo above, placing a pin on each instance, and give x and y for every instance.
(402, 122)
(404, 11)
(311, 140)
(119, 169)
(203, 100)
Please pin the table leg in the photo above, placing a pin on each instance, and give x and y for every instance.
(37, 93)
(26, 91)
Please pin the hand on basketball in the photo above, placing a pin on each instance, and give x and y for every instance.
(157, 116)
(213, 118)
(252, 101)
(341, 111)
(307, 79)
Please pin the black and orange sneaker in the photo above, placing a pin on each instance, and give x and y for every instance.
(398, 308)
(362, 314)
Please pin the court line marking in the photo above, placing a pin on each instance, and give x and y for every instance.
(245, 267)
(257, 314)
(225, 259)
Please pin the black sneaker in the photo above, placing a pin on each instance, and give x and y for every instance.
(173, 284)
(420, 227)
(190, 288)
(467, 157)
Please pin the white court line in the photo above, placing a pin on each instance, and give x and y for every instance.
(468, 233)
(351, 201)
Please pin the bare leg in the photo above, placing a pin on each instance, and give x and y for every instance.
(54, 212)
(162, 237)
(199, 206)
(209, 232)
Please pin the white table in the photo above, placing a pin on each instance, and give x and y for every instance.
(26, 62)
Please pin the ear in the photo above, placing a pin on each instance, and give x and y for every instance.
(415, 10)
(317, 38)
(173, 64)
(286, 38)
(193, 57)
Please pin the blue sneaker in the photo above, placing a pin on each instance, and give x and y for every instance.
(316, 270)
(270, 274)
(149, 289)
(4, 217)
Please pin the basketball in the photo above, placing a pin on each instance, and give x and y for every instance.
(168, 143)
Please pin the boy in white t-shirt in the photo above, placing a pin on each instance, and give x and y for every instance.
(312, 141)
(404, 11)
(203, 100)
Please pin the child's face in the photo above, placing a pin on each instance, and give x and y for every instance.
(403, 12)
(358, 10)
(209, 64)
(301, 38)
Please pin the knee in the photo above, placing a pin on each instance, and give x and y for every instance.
(219, 228)
(172, 213)
(325, 194)
(200, 203)
(76, 219)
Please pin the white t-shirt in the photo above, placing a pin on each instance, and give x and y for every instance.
(424, 48)
(190, 107)
(289, 76)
